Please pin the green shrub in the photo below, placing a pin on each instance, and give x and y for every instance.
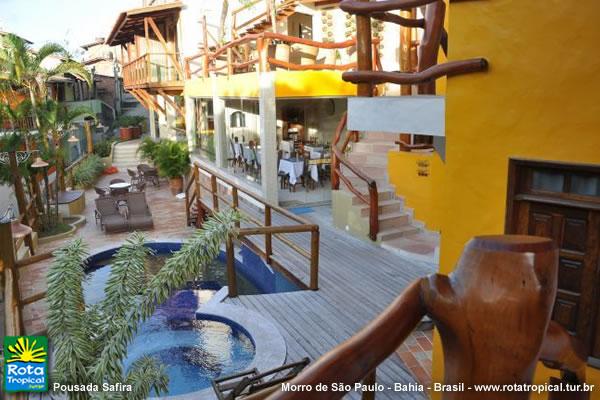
(103, 147)
(87, 172)
(147, 148)
(172, 159)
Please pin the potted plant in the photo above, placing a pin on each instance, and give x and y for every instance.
(173, 161)
(147, 149)
(125, 128)
(104, 150)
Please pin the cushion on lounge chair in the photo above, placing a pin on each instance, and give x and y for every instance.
(140, 216)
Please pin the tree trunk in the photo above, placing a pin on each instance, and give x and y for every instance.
(37, 119)
(224, 12)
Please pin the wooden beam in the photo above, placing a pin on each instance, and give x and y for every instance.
(166, 48)
(169, 100)
(152, 101)
(141, 100)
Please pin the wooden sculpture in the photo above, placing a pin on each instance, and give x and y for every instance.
(492, 313)
(434, 37)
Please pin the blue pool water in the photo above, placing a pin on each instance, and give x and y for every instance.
(193, 351)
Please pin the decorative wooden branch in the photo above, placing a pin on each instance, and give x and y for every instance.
(451, 68)
(357, 7)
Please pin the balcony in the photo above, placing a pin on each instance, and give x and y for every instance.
(153, 71)
(266, 51)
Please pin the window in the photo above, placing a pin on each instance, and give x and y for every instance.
(237, 120)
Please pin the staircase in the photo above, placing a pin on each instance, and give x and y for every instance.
(124, 154)
(284, 10)
(398, 231)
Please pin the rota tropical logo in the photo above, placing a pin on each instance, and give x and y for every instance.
(26, 364)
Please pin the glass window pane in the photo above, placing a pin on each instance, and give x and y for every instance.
(585, 185)
(549, 181)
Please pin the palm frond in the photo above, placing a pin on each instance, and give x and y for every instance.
(145, 376)
(71, 67)
(49, 49)
(183, 266)
(66, 314)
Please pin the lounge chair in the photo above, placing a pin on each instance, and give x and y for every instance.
(148, 173)
(139, 216)
(107, 213)
(238, 386)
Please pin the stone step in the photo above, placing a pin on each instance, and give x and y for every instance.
(368, 159)
(393, 220)
(377, 173)
(396, 232)
(385, 207)
(379, 137)
(374, 147)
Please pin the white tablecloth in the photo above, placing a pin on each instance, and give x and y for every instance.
(292, 168)
(314, 149)
(249, 154)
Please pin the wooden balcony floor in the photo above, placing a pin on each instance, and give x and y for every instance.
(357, 280)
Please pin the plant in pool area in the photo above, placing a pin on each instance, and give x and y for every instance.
(87, 172)
(173, 161)
(147, 149)
(90, 342)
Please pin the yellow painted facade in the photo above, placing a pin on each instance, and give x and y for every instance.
(416, 176)
(539, 100)
(288, 84)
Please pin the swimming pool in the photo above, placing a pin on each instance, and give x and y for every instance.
(194, 351)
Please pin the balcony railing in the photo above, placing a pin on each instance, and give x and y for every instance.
(262, 51)
(22, 124)
(151, 69)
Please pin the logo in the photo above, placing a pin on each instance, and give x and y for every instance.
(26, 364)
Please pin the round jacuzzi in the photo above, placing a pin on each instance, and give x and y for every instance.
(193, 350)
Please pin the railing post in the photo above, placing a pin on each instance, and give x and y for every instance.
(214, 189)
(231, 276)
(13, 321)
(200, 216)
(369, 380)
(206, 59)
(235, 201)
(335, 178)
(364, 51)
(229, 62)
(268, 236)
(373, 212)
(314, 259)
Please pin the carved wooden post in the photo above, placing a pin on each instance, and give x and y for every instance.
(14, 322)
(87, 126)
(206, 58)
(214, 189)
(363, 51)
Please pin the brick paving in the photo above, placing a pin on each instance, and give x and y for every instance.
(416, 354)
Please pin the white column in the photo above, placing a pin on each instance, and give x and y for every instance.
(268, 137)
(190, 122)
(220, 128)
(152, 125)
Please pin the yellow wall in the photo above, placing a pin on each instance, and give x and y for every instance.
(416, 176)
(288, 84)
(540, 99)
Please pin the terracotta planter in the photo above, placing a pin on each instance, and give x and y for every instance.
(176, 185)
(125, 133)
(136, 132)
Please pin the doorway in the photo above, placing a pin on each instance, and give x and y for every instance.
(562, 201)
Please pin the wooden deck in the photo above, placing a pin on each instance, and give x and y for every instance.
(357, 281)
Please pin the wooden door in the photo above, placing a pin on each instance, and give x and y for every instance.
(573, 222)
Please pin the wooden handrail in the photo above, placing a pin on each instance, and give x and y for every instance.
(232, 64)
(372, 199)
(408, 147)
(365, 8)
(451, 68)
(265, 228)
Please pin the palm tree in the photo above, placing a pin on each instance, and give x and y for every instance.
(21, 67)
(90, 341)
(15, 116)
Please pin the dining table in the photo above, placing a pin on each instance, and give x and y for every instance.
(293, 167)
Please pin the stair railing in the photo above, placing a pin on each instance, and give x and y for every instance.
(338, 159)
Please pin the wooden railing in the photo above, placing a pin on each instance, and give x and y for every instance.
(208, 191)
(151, 68)
(252, 52)
(339, 158)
